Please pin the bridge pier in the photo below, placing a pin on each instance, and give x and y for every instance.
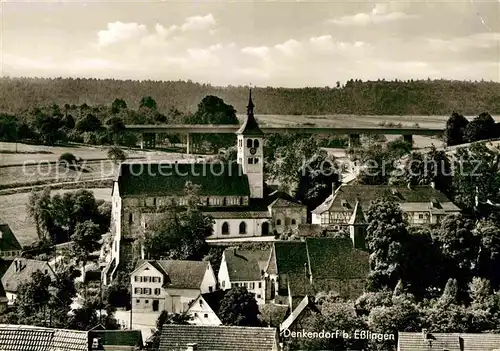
(148, 140)
(354, 140)
(408, 138)
(188, 143)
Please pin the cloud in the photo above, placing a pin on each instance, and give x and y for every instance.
(289, 47)
(119, 31)
(379, 14)
(198, 23)
(260, 51)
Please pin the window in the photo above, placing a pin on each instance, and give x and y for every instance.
(208, 201)
(201, 303)
(130, 218)
(252, 285)
(138, 290)
(258, 296)
(205, 315)
(265, 228)
(136, 278)
(147, 301)
(210, 289)
(243, 228)
(249, 143)
(241, 201)
(157, 291)
(154, 201)
(196, 314)
(294, 221)
(420, 216)
(278, 222)
(260, 285)
(137, 301)
(246, 285)
(250, 160)
(225, 228)
(147, 291)
(224, 202)
(256, 143)
(256, 160)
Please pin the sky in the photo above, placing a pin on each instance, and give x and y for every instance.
(262, 43)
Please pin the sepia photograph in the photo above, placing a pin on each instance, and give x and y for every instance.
(249, 175)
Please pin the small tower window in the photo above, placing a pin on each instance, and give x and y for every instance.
(250, 160)
(249, 143)
(256, 143)
(130, 218)
(256, 160)
(225, 228)
(243, 228)
(208, 201)
(224, 202)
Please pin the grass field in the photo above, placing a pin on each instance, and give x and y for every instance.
(13, 212)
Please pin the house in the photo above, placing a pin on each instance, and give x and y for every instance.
(9, 245)
(20, 271)
(204, 309)
(115, 340)
(25, 337)
(233, 194)
(293, 322)
(170, 285)
(296, 269)
(244, 268)
(211, 338)
(448, 341)
(421, 204)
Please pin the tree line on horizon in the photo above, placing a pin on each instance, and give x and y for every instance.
(413, 97)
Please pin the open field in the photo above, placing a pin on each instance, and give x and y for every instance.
(13, 212)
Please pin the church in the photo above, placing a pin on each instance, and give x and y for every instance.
(234, 194)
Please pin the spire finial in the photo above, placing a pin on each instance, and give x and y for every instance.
(250, 103)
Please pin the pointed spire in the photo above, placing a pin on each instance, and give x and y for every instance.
(358, 216)
(250, 126)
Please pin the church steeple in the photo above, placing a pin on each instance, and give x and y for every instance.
(250, 125)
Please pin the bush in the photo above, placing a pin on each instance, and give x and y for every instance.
(90, 138)
(68, 158)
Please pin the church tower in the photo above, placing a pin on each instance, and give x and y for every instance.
(251, 152)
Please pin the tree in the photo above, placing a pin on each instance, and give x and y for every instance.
(455, 129)
(488, 233)
(118, 105)
(115, 128)
(90, 123)
(117, 155)
(85, 241)
(83, 318)
(180, 235)
(239, 307)
(148, 102)
(386, 237)
(481, 128)
(68, 159)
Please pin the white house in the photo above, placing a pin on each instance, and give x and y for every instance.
(205, 308)
(244, 268)
(19, 272)
(170, 285)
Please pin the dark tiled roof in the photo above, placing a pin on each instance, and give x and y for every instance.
(282, 199)
(170, 179)
(448, 341)
(217, 338)
(214, 299)
(118, 337)
(8, 241)
(250, 125)
(245, 265)
(181, 274)
(28, 338)
(291, 256)
(13, 277)
(416, 196)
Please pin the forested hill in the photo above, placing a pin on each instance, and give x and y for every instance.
(422, 97)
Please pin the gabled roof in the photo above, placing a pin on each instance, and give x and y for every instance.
(250, 126)
(297, 312)
(8, 241)
(282, 199)
(245, 265)
(448, 341)
(118, 337)
(414, 198)
(180, 274)
(358, 216)
(13, 277)
(166, 179)
(217, 338)
(29, 338)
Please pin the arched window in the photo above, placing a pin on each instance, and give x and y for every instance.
(294, 221)
(256, 143)
(225, 228)
(250, 160)
(241, 201)
(278, 222)
(208, 201)
(224, 202)
(243, 228)
(256, 160)
(249, 143)
(265, 228)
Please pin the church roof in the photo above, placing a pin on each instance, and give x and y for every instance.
(162, 179)
(250, 126)
(245, 265)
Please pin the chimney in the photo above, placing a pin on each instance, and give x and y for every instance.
(192, 347)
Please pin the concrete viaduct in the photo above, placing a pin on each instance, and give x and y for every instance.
(149, 131)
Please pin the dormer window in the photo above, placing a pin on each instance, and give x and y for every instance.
(435, 203)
